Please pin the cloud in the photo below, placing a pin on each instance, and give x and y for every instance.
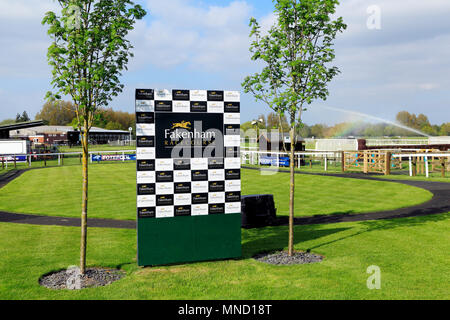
(213, 38)
(402, 65)
(23, 39)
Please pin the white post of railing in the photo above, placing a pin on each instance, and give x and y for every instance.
(123, 156)
(278, 160)
(59, 159)
(326, 163)
(29, 160)
(410, 166)
(427, 173)
(299, 159)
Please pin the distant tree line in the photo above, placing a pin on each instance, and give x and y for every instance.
(357, 129)
(63, 113)
(19, 118)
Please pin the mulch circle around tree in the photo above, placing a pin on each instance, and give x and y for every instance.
(283, 258)
(72, 280)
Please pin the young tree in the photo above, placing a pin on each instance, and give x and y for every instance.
(295, 53)
(88, 54)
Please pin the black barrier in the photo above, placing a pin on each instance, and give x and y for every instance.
(258, 210)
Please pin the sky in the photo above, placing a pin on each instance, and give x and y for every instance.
(393, 56)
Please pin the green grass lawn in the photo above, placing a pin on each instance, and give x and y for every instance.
(412, 254)
(112, 192)
(97, 147)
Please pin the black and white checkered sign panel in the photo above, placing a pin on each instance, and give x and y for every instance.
(188, 161)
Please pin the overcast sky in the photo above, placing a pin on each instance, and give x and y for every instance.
(403, 65)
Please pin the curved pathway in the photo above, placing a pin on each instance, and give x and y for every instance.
(440, 203)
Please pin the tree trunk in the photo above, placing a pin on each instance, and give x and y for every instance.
(291, 193)
(84, 204)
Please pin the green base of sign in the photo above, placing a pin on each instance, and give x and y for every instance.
(187, 239)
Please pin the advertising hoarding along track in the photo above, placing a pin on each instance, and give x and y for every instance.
(188, 175)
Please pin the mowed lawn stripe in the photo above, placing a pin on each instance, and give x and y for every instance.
(112, 192)
(411, 253)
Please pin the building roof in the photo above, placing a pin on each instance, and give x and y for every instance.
(62, 129)
(22, 125)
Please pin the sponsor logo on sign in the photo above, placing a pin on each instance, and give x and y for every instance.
(145, 117)
(182, 176)
(216, 208)
(232, 174)
(232, 129)
(164, 176)
(164, 106)
(146, 201)
(218, 197)
(148, 212)
(145, 176)
(180, 94)
(200, 175)
(144, 94)
(200, 210)
(215, 107)
(232, 185)
(146, 165)
(184, 210)
(182, 199)
(145, 129)
(199, 198)
(233, 196)
(200, 187)
(145, 141)
(163, 95)
(199, 106)
(215, 163)
(145, 106)
(216, 186)
(232, 118)
(232, 207)
(214, 175)
(164, 212)
(183, 187)
(182, 164)
(164, 188)
(232, 96)
(145, 189)
(198, 95)
(232, 163)
(164, 200)
(232, 107)
(215, 95)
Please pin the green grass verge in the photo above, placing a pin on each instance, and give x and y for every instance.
(434, 177)
(97, 147)
(412, 254)
(112, 192)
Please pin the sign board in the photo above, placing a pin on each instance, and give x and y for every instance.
(113, 157)
(18, 159)
(274, 161)
(188, 175)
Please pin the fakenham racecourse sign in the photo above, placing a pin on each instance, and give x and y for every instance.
(188, 175)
